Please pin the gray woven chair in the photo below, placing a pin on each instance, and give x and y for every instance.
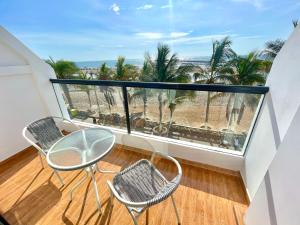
(141, 185)
(45, 133)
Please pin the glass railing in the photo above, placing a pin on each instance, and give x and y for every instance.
(221, 117)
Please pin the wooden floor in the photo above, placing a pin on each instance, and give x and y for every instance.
(32, 195)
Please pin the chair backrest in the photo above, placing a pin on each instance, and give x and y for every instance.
(45, 132)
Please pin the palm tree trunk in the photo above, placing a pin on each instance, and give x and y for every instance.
(97, 101)
(241, 108)
(207, 107)
(171, 119)
(235, 112)
(241, 113)
(160, 109)
(65, 89)
(145, 100)
(89, 97)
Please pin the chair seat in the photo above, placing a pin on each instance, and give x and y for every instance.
(141, 182)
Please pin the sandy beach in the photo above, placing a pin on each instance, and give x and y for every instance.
(191, 112)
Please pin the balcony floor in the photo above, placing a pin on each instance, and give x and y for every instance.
(32, 195)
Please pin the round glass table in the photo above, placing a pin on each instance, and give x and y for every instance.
(82, 149)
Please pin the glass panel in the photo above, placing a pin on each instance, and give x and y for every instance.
(216, 119)
(95, 104)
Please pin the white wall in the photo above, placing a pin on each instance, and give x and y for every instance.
(278, 197)
(25, 90)
(260, 214)
(279, 108)
(261, 149)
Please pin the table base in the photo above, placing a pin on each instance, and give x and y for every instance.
(89, 172)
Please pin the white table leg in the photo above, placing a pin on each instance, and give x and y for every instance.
(77, 185)
(95, 188)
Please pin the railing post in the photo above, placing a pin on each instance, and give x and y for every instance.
(125, 96)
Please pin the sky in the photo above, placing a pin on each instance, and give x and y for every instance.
(81, 30)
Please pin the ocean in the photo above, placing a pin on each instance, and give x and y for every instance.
(110, 63)
(137, 62)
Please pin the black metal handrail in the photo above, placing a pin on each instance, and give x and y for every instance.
(177, 86)
(160, 85)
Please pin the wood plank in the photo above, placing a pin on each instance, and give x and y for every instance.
(31, 195)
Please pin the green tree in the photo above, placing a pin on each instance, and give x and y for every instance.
(174, 98)
(218, 65)
(125, 71)
(85, 88)
(295, 23)
(272, 48)
(247, 71)
(104, 72)
(165, 68)
(142, 93)
(64, 70)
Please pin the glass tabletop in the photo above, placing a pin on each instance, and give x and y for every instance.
(80, 149)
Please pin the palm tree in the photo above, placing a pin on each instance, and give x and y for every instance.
(247, 71)
(85, 88)
(174, 98)
(295, 23)
(64, 70)
(125, 71)
(272, 48)
(164, 68)
(218, 65)
(120, 68)
(142, 93)
(104, 72)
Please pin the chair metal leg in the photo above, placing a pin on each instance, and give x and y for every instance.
(104, 171)
(59, 177)
(77, 185)
(95, 188)
(134, 218)
(41, 160)
(176, 210)
(135, 221)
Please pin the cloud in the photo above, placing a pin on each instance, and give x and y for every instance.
(181, 37)
(179, 34)
(209, 38)
(116, 8)
(145, 7)
(200, 39)
(159, 35)
(150, 35)
(165, 6)
(258, 4)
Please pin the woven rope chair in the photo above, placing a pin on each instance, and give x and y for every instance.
(141, 185)
(45, 133)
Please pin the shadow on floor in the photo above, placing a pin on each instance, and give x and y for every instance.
(35, 205)
(102, 219)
